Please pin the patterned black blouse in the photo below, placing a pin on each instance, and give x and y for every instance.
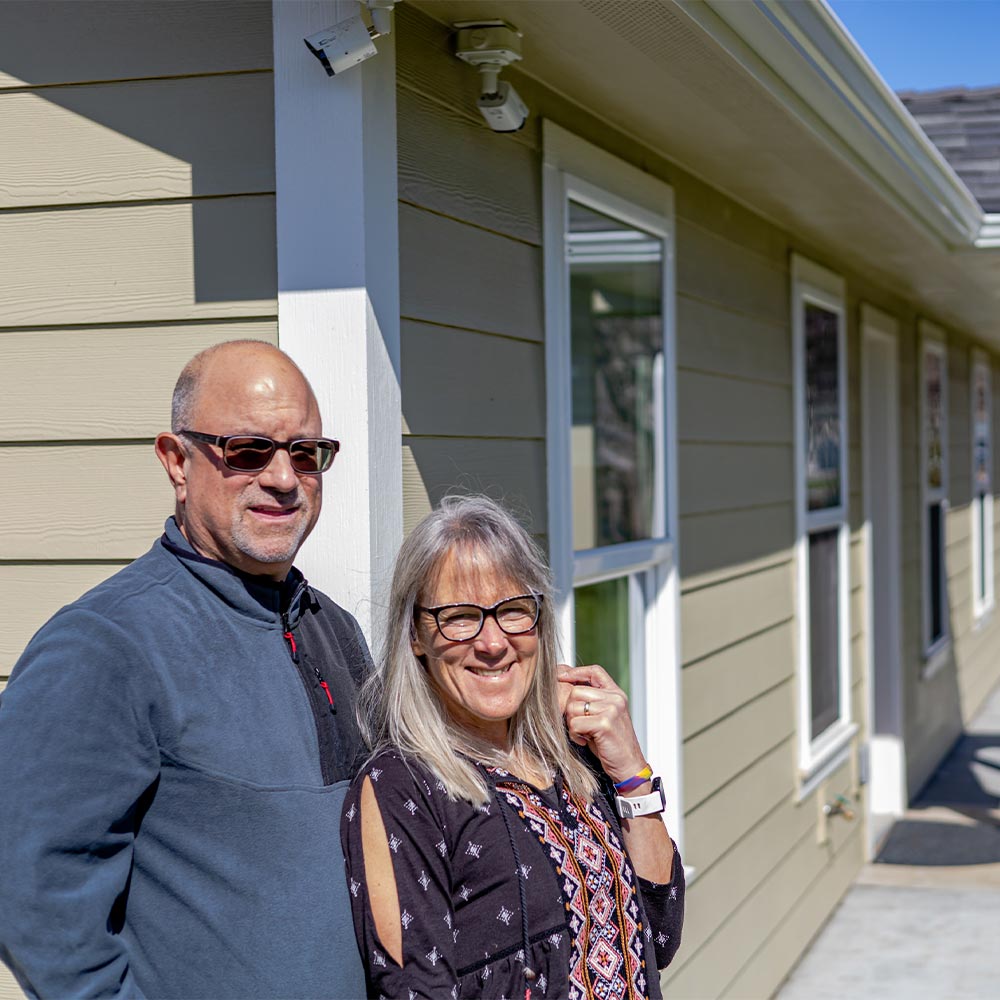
(531, 895)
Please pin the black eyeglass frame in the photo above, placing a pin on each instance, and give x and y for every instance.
(484, 613)
(221, 440)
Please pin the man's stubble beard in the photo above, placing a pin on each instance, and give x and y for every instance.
(260, 546)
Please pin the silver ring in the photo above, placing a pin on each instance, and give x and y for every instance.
(586, 708)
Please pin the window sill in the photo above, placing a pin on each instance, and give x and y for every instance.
(834, 753)
(982, 617)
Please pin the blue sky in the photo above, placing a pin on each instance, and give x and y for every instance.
(926, 44)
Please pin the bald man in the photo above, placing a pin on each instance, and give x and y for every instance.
(175, 745)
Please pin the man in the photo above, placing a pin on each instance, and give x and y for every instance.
(175, 745)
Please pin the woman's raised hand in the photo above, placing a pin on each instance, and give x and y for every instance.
(596, 713)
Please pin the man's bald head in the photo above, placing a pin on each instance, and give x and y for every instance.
(253, 520)
(220, 356)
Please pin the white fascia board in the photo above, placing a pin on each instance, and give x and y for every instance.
(801, 53)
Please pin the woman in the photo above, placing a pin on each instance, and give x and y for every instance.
(485, 858)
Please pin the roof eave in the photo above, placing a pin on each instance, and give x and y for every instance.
(803, 55)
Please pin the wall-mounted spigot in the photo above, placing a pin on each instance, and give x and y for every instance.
(839, 806)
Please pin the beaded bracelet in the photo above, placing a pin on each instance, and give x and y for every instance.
(635, 781)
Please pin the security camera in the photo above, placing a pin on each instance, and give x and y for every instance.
(503, 110)
(489, 46)
(349, 42)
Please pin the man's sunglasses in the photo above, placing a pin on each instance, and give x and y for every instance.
(250, 453)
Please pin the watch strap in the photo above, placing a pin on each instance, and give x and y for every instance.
(642, 805)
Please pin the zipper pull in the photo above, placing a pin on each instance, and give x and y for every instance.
(326, 689)
(292, 647)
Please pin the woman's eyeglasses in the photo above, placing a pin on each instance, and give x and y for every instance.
(251, 453)
(462, 622)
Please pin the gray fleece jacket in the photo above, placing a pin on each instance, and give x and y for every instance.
(175, 747)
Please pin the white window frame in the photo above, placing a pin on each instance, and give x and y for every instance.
(817, 758)
(981, 510)
(932, 341)
(575, 170)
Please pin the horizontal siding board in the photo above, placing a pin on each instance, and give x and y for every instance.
(33, 593)
(713, 338)
(775, 957)
(718, 754)
(511, 471)
(719, 824)
(85, 502)
(741, 930)
(9, 990)
(714, 269)
(138, 140)
(721, 409)
(460, 168)
(715, 617)
(730, 477)
(63, 41)
(461, 382)
(718, 685)
(55, 378)
(137, 263)
(722, 888)
(724, 543)
(454, 274)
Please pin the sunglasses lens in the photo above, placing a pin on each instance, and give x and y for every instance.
(312, 455)
(248, 454)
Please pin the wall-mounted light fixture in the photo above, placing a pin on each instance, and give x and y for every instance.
(491, 45)
(349, 42)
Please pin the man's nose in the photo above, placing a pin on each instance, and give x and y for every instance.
(279, 474)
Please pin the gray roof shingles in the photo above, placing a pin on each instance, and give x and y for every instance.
(964, 124)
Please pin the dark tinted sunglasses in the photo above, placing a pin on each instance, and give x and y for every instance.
(250, 453)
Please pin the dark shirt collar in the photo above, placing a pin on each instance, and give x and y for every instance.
(259, 597)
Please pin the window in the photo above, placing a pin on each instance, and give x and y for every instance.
(934, 492)
(612, 479)
(820, 372)
(982, 485)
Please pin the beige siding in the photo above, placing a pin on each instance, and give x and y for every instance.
(473, 383)
(111, 508)
(139, 263)
(120, 41)
(151, 140)
(101, 383)
(33, 592)
(137, 220)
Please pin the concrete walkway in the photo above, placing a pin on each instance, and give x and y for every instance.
(923, 921)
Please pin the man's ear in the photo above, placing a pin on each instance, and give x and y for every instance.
(173, 457)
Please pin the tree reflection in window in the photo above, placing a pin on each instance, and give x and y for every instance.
(616, 281)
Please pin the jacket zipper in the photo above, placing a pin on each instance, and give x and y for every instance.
(293, 649)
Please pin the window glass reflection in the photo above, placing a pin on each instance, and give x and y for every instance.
(602, 627)
(822, 408)
(616, 279)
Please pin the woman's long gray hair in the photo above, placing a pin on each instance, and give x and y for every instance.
(399, 705)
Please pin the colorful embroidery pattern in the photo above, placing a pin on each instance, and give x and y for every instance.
(598, 885)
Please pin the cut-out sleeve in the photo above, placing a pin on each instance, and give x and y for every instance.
(417, 835)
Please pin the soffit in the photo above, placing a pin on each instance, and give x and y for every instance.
(753, 110)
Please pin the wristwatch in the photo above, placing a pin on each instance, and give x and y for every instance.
(642, 805)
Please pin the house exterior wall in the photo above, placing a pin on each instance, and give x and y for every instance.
(474, 417)
(137, 221)
(137, 215)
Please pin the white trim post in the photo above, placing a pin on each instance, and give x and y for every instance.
(338, 292)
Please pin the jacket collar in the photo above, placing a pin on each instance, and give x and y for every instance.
(255, 596)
